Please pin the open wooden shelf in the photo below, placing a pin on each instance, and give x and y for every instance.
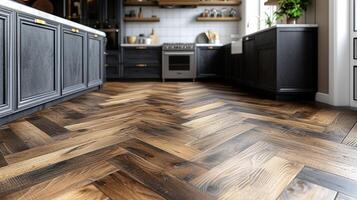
(202, 3)
(140, 3)
(218, 19)
(221, 3)
(141, 19)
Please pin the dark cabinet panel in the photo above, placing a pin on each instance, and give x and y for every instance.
(139, 55)
(142, 71)
(6, 62)
(210, 62)
(250, 71)
(237, 67)
(37, 64)
(74, 64)
(95, 60)
(267, 68)
(142, 62)
(297, 66)
(282, 62)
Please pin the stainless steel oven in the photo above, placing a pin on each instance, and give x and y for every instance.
(179, 61)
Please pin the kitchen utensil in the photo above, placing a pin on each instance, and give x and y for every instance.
(147, 40)
(202, 38)
(131, 39)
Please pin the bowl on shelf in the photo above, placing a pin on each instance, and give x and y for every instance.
(131, 39)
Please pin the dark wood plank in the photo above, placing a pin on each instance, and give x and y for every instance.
(37, 176)
(230, 148)
(156, 179)
(118, 186)
(174, 165)
(10, 142)
(47, 126)
(328, 180)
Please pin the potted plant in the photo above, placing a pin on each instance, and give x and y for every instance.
(292, 9)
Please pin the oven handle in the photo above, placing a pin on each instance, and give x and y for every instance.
(179, 53)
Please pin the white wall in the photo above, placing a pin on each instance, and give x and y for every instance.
(180, 25)
(339, 53)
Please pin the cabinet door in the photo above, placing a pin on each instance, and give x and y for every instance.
(209, 62)
(74, 63)
(95, 60)
(38, 65)
(250, 70)
(267, 68)
(6, 62)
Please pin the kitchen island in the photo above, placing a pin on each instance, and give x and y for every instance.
(279, 62)
(46, 60)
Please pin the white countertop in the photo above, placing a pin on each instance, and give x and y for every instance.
(141, 45)
(159, 45)
(209, 45)
(285, 26)
(26, 9)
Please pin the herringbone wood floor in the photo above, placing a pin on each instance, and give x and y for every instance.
(179, 141)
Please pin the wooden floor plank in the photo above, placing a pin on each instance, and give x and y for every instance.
(118, 186)
(47, 126)
(30, 134)
(64, 183)
(266, 182)
(89, 192)
(156, 179)
(19, 168)
(304, 190)
(174, 165)
(230, 148)
(10, 142)
(331, 181)
(228, 174)
(34, 177)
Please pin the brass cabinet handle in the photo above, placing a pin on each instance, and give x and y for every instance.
(210, 47)
(75, 30)
(141, 65)
(40, 21)
(95, 35)
(141, 47)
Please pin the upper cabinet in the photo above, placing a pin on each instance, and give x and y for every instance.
(74, 63)
(6, 61)
(95, 60)
(38, 65)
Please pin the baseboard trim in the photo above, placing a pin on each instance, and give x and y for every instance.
(323, 98)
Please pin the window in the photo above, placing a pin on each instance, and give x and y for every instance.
(266, 11)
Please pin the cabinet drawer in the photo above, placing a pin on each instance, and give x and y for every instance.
(134, 55)
(142, 71)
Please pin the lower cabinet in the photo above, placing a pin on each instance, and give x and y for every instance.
(74, 62)
(38, 65)
(210, 62)
(6, 62)
(282, 62)
(142, 62)
(95, 60)
(250, 70)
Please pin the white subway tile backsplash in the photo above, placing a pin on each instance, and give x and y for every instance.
(180, 25)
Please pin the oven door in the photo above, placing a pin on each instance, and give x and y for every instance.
(179, 65)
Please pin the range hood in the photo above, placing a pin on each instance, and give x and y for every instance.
(178, 3)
